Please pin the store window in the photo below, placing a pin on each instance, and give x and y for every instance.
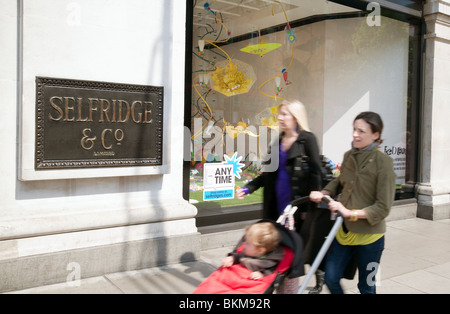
(412, 4)
(248, 56)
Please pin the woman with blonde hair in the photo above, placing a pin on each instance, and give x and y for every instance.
(298, 170)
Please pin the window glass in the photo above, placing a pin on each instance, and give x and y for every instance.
(249, 57)
(413, 4)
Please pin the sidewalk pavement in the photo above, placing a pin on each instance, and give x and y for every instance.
(416, 260)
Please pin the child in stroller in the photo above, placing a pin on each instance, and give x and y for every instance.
(266, 254)
(261, 251)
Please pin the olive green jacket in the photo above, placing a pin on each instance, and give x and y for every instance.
(366, 181)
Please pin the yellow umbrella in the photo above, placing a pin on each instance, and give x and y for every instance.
(261, 49)
(233, 77)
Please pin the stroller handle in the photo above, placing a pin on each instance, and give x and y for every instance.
(300, 200)
(326, 199)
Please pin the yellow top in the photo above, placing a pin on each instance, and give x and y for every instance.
(352, 238)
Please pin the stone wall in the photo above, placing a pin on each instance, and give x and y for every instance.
(98, 220)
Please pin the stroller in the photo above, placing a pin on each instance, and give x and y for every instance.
(235, 279)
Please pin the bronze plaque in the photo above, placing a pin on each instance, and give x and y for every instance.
(85, 124)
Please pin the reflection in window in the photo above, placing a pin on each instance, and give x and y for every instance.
(247, 59)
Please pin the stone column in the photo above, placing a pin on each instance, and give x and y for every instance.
(434, 189)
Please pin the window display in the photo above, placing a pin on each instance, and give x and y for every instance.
(249, 56)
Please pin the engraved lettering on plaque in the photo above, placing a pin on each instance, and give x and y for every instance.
(85, 124)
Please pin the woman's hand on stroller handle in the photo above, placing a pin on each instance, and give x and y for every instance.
(320, 196)
(323, 197)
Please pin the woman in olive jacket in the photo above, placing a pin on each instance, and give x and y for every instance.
(365, 191)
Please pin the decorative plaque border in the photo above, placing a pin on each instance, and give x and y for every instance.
(72, 94)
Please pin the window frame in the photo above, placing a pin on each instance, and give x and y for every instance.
(415, 61)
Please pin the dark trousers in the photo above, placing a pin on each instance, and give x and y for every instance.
(367, 258)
